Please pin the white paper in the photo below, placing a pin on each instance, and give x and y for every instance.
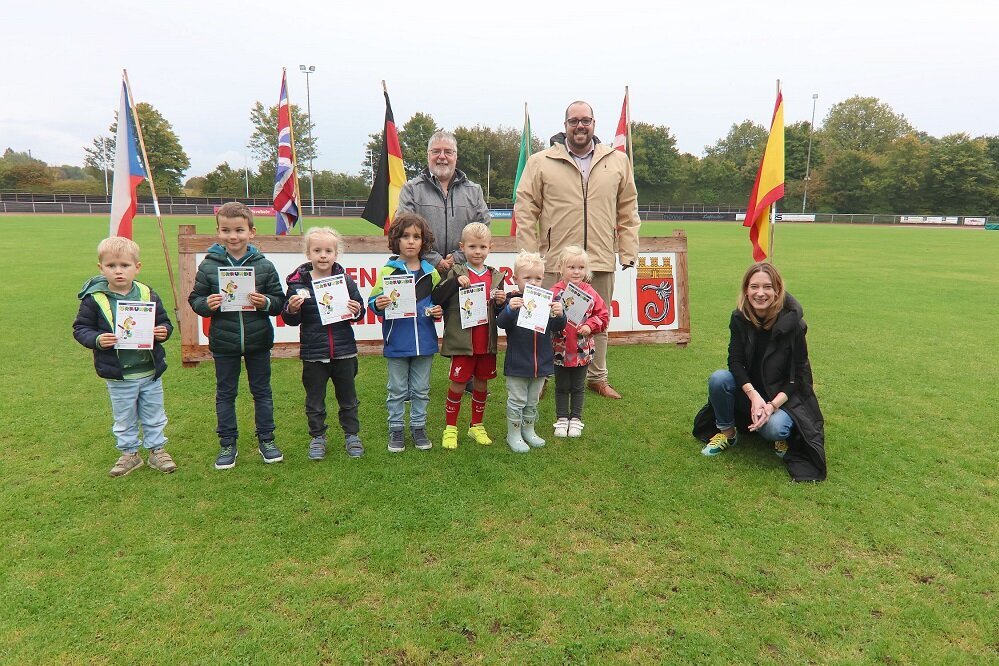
(332, 298)
(536, 310)
(401, 290)
(577, 304)
(236, 285)
(134, 322)
(472, 305)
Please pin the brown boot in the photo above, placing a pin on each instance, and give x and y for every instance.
(603, 389)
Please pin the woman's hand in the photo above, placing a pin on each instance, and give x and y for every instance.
(760, 413)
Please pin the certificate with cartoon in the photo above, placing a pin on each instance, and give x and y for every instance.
(472, 304)
(332, 298)
(537, 308)
(133, 324)
(236, 285)
(401, 291)
(577, 304)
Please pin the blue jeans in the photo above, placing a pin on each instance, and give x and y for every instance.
(135, 401)
(722, 394)
(258, 373)
(408, 379)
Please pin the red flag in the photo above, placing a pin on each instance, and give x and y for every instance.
(525, 152)
(623, 127)
(769, 186)
(389, 178)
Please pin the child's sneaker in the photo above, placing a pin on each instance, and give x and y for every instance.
(226, 458)
(353, 446)
(479, 435)
(397, 441)
(126, 463)
(575, 428)
(450, 438)
(317, 448)
(780, 448)
(562, 427)
(159, 459)
(270, 452)
(420, 439)
(719, 443)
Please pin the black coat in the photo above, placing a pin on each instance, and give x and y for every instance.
(785, 365)
(318, 342)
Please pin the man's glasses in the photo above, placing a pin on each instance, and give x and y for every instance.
(573, 122)
(437, 152)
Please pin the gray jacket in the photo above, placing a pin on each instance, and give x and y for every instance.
(447, 216)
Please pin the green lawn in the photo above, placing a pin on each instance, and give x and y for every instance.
(623, 547)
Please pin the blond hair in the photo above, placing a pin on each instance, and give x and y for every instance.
(525, 259)
(572, 252)
(476, 230)
(324, 231)
(117, 246)
(235, 209)
(770, 316)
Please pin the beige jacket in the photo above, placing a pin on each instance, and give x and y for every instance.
(555, 209)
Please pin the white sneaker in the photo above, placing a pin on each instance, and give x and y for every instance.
(575, 428)
(562, 427)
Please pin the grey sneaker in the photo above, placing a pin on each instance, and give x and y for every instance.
(126, 463)
(226, 458)
(397, 441)
(270, 452)
(161, 460)
(420, 439)
(355, 449)
(317, 448)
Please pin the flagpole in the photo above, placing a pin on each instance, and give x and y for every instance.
(294, 157)
(773, 208)
(627, 113)
(152, 189)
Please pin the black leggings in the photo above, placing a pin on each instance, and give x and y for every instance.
(569, 391)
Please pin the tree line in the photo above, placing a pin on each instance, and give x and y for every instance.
(863, 157)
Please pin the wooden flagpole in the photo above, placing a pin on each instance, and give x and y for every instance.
(152, 189)
(294, 157)
(627, 113)
(773, 206)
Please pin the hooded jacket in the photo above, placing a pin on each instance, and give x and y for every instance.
(458, 340)
(785, 368)
(90, 322)
(316, 341)
(235, 333)
(528, 353)
(415, 336)
(446, 214)
(555, 208)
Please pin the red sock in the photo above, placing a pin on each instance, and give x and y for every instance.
(478, 406)
(452, 406)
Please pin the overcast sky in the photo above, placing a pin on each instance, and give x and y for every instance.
(697, 67)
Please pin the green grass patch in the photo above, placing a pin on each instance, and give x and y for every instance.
(623, 547)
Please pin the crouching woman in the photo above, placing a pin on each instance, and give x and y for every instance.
(767, 388)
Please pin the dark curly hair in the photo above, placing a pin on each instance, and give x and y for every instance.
(404, 221)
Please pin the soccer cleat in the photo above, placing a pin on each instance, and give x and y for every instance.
(126, 463)
(562, 427)
(478, 434)
(397, 441)
(780, 448)
(270, 452)
(420, 439)
(226, 458)
(317, 448)
(160, 460)
(353, 446)
(450, 438)
(575, 428)
(719, 443)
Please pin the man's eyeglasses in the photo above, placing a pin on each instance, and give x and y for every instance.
(573, 122)
(437, 152)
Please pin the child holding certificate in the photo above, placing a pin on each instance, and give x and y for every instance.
(470, 292)
(586, 314)
(324, 300)
(529, 355)
(125, 323)
(240, 327)
(401, 296)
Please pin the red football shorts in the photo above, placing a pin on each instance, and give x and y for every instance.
(480, 366)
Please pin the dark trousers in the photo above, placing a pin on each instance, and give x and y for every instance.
(315, 376)
(569, 393)
(258, 373)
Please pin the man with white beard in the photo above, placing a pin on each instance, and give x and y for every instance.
(445, 197)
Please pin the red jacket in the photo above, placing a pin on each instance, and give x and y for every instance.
(571, 349)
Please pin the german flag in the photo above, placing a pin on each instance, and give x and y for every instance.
(389, 178)
(768, 188)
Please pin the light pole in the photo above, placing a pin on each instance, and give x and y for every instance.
(808, 160)
(489, 161)
(311, 69)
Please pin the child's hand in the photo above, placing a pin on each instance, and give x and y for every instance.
(464, 282)
(557, 309)
(257, 300)
(584, 330)
(354, 307)
(436, 312)
(215, 301)
(160, 333)
(295, 304)
(382, 302)
(499, 296)
(106, 340)
(516, 303)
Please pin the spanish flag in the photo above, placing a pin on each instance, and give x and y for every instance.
(389, 178)
(769, 186)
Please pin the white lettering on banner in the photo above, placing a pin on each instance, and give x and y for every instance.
(645, 302)
(974, 221)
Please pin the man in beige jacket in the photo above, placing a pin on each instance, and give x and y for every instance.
(579, 192)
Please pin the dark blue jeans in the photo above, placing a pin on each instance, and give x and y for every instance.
(258, 373)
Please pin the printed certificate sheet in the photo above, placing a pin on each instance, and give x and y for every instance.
(472, 304)
(134, 322)
(577, 304)
(332, 298)
(236, 285)
(537, 309)
(401, 290)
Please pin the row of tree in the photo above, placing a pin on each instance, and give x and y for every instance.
(864, 157)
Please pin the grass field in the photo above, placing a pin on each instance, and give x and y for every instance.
(623, 547)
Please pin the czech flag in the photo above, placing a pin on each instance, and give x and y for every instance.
(389, 178)
(128, 170)
(769, 186)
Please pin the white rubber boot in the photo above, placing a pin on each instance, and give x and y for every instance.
(527, 429)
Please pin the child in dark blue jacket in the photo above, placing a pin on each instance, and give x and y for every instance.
(529, 356)
(328, 351)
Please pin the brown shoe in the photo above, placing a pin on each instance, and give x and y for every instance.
(161, 460)
(126, 463)
(604, 389)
